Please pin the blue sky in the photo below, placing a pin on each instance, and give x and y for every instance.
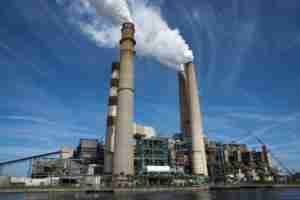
(54, 80)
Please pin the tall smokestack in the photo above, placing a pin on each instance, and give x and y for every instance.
(199, 163)
(123, 155)
(183, 105)
(111, 119)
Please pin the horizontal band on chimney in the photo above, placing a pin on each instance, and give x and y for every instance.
(113, 101)
(120, 89)
(113, 91)
(112, 110)
(115, 74)
(111, 121)
(115, 67)
(128, 38)
(114, 82)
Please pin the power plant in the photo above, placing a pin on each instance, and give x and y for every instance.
(134, 150)
(119, 138)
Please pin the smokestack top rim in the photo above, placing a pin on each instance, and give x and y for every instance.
(189, 63)
(128, 25)
(128, 38)
(131, 28)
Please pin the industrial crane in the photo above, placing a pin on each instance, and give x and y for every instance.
(281, 164)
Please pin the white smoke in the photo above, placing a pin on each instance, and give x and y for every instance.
(117, 9)
(101, 19)
(155, 38)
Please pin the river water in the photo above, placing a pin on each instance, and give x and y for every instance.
(261, 194)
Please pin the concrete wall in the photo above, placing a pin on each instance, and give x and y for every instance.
(4, 181)
(42, 182)
(92, 180)
(33, 182)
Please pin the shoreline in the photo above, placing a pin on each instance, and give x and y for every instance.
(149, 189)
(254, 186)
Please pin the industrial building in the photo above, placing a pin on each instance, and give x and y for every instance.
(236, 163)
(86, 160)
(160, 155)
(150, 152)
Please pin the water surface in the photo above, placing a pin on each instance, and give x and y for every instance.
(258, 194)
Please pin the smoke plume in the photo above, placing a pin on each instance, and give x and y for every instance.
(101, 20)
(116, 9)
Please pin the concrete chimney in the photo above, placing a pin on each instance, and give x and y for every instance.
(183, 105)
(199, 162)
(123, 154)
(111, 119)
